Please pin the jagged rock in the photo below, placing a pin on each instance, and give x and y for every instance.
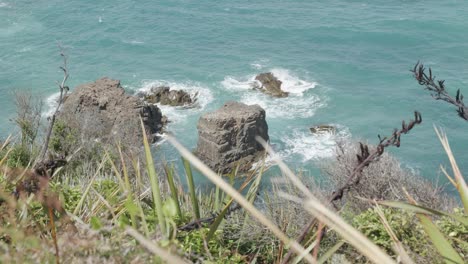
(269, 84)
(323, 129)
(226, 137)
(165, 96)
(102, 111)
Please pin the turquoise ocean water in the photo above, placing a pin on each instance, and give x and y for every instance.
(344, 62)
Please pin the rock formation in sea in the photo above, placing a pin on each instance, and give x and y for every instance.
(226, 137)
(102, 111)
(166, 96)
(323, 129)
(270, 85)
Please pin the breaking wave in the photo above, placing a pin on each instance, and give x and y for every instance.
(312, 146)
(179, 114)
(296, 105)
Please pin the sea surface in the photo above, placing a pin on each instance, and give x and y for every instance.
(345, 63)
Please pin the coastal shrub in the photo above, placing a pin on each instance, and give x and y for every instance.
(28, 116)
(384, 179)
(64, 139)
(404, 225)
(69, 195)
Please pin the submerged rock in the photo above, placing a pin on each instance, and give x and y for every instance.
(165, 96)
(226, 137)
(102, 111)
(270, 85)
(323, 129)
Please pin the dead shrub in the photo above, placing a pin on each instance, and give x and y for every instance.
(384, 179)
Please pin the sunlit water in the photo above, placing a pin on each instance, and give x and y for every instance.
(345, 63)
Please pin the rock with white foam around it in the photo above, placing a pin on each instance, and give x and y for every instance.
(270, 85)
(164, 95)
(318, 129)
(102, 111)
(226, 137)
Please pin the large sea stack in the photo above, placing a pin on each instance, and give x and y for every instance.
(102, 111)
(226, 137)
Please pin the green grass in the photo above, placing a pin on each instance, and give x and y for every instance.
(124, 210)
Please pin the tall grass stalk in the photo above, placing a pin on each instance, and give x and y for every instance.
(192, 190)
(215, 225)
(155, 249)
(346, 231)
(174, 194)
(154, 182)
(88, 188)
(136, 165)
(459, 181)
(397, 245)
(128, 191)
(217, 180)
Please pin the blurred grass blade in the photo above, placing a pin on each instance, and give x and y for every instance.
(397, 245)
(346, 231)
(217, 203)
(423, 210)
(441, 244)
(191, 185)
(306, 252)
(285, 169)
(327, 255)
(5, 143)
(214, 226)
(175, 196)
(154, 181)
(217, 180)
(91, 182)
(460, 181)
(155, 249)
(136, 165)
(128, 189)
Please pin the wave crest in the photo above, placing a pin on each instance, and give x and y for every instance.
(296, 105)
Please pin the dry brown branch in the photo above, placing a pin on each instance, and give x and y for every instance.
(63, 93)
(437, 88)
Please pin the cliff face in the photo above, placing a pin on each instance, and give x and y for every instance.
(226, 137)
(102, 111)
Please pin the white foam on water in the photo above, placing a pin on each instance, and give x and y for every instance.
(291, 83)
(3, 4)
(296, 105)
(133, 42)
(51, 103)
(180, 113)
(313, 146)
(291, 107)
(25, 49)
(259, 64)
(243, 83)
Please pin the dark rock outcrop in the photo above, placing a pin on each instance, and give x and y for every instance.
(226, 137)
(323, 129)
(165, 96)
(102, 111)
(270, 85)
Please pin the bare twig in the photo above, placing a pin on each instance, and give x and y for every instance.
(63, 93)
(364, 159)
(437, 88)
